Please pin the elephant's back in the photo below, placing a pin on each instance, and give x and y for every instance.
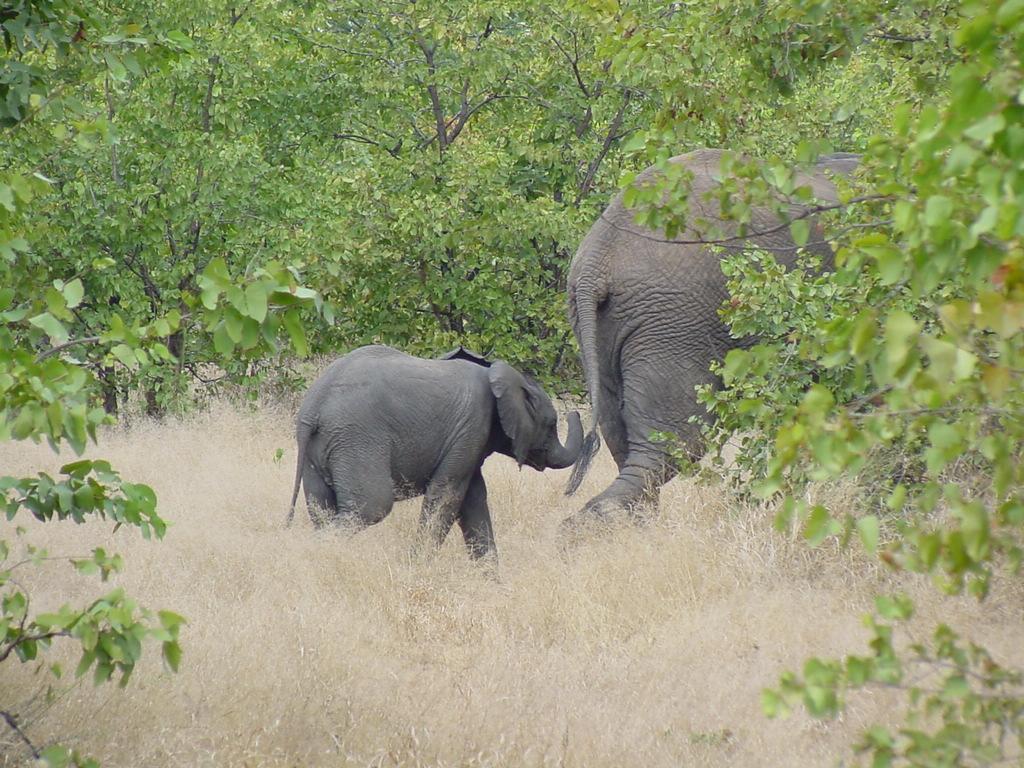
(379, 379)
(617, 230)
(348, 378)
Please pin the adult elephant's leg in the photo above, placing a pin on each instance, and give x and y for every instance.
(658, 396)
(609, 377)
(475, 520)
(320, 499)
(613, 427)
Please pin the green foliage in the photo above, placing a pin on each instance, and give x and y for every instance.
(904, 365)
(63, 321)
(165, 166)
(473, 135)
(430, 167)
(950, 681)
(91, 488)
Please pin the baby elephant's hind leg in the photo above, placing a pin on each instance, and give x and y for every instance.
(320, 500)
(365, 495)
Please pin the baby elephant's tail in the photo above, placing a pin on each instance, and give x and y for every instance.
(303, 432)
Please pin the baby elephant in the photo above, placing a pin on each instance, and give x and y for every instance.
(381, 425)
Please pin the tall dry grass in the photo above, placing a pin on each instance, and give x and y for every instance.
(645, 647)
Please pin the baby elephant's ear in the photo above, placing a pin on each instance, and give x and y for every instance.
(461, 353)
(514, 409)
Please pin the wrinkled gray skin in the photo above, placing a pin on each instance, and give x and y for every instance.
(380, 425)
(645, 314)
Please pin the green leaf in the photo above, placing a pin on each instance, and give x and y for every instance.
(172, 655)
(901, 331)
(820, 525)
(800, 229)
(114, 65)
(209, 295)
(1010, 13)
(772, 704)
(955, 687)
(985, 129)
(55, 756)
(124, 354)
(7, 198)
(222, 340)
(73, 293)
(867, 528)
(170, 620)
(891, 262)
(938, 210)
(948, 361)
(51, 325)
(293, 325)
(897, 607)
(181, 40)
(256, 301)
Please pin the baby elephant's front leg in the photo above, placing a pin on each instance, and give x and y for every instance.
(475, 520)
(441, 505)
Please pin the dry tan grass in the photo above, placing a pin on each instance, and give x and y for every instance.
(645, 647)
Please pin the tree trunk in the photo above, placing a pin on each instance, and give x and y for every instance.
(108, 385)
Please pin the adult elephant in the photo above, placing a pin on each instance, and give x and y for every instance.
(644, 308)
(380, 425)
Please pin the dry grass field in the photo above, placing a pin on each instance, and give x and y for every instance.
(645, 647)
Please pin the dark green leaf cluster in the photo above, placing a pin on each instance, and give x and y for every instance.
(91, 488)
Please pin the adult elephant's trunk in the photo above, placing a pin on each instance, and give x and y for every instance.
(562, 456)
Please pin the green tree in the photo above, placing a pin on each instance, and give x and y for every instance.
(908, 356)
(192, 170)
(48, 386)
(469, 139)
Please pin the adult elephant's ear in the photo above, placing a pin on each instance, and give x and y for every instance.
(514, 407)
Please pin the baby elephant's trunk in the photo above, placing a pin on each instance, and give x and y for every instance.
(562, 456)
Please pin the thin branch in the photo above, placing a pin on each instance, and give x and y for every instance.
(987, 410)
(34, 638)
(12, 723)
(150, 288)
(435, 99)
(208, 99)
(464, 117)
(806, 213)
(115, 170)
(60, 347)
(194, 371)
(171, 242)
(897, 38)
(196, 229)
(199, 181)
(463, 103)
(574, 63)
(31, 114)
(196, 226)
(606, 145)
(393, 151)
(237, 17)
(347, 51)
